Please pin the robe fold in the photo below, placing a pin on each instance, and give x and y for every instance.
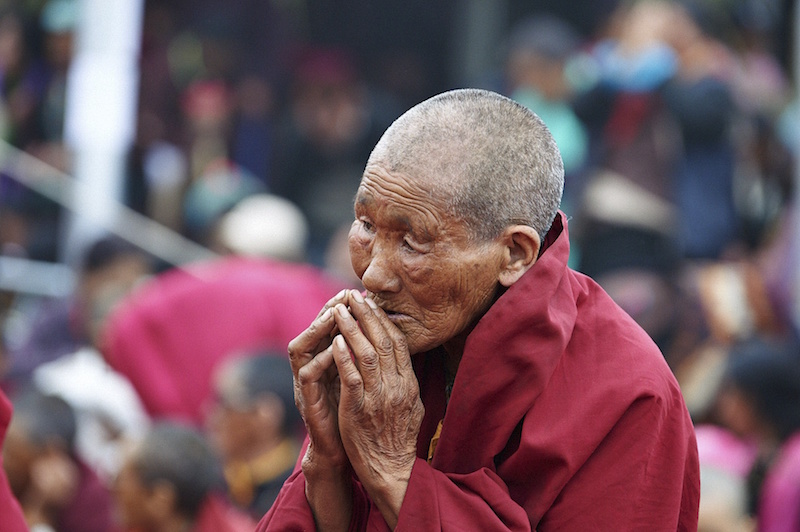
(563, 416)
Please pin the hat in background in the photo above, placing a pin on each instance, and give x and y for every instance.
(265, 225)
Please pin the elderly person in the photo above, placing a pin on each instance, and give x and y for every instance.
(479, 383)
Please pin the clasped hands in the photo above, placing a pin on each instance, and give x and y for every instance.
(359, 397)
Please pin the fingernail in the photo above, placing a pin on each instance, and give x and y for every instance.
(342, 310)
(340, 343)
(357, 296)
(341, 294)
(326, 315)
(372, 304)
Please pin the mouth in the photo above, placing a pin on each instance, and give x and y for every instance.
(392, 314)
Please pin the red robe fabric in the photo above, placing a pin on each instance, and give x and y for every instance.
(11, 517)
(563, 416)
(168, 337)
(219, 516)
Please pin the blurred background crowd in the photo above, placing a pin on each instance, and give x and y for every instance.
(146, 358)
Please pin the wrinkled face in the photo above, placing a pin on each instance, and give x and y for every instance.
(417, 261)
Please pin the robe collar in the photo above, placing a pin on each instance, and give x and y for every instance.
(508, 359)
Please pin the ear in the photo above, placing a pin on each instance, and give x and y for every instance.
(520, 250)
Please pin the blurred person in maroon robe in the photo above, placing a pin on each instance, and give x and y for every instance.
(54, 486)
(169, 337)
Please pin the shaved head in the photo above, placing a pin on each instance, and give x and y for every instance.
(489, 160)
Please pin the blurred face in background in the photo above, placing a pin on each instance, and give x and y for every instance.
(18, 458)
(132, 498)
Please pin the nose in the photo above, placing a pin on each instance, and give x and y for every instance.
(380, 275)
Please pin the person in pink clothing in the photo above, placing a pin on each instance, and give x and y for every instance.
(479, 383)
(168, 337)
(758, 400)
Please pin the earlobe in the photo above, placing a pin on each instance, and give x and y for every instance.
(522, 244)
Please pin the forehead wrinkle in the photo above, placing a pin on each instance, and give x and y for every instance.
(399, 192)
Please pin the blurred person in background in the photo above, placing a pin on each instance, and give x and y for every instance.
(758, 401)
(255, 427)
(22, 80)
(57, 350)
(172, 482)
(660, 112)
(261, 225)
(332, 120)
(539, 49)
(725, 460)
(45, 329)
(168, 337)
(54, 486)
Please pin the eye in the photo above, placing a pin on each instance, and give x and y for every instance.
(412, 245)
(367, 225)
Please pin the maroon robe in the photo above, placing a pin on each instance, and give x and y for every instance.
(11, 517)
(563, 416)
(168, 337)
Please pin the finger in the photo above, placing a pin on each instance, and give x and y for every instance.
(378, 330)
(317, 336)
(316, 369)
(367, 355)
(364, 354)
(311, 341)
(402, 358)
(351, 381)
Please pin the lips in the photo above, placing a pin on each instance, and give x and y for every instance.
(390, 313)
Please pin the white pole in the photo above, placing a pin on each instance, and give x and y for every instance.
(100, 121)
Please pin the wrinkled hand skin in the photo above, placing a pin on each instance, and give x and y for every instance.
(316, 386)
(380, 410)
(325, 465)
(359, 397)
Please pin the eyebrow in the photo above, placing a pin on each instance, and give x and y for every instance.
(365, 200)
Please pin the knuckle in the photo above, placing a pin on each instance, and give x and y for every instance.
(402, 343)
(369, 359)
(302, 378)
(386, 344)
(351, 380)
(292, 349)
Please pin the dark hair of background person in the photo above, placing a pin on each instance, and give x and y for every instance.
(769, 374)
(271, 373)
(46, 419)
(179, 455)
